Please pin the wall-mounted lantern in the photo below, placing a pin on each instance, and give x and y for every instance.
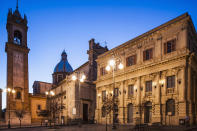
(161, 82)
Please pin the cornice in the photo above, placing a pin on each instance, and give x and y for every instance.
(179, 18)
(11, 46)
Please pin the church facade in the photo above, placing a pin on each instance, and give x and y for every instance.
(74, 97)
(158, 83)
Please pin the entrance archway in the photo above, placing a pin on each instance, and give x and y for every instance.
(147, 112)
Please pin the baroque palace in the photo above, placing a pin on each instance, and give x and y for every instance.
(149, 79)
(157, 81)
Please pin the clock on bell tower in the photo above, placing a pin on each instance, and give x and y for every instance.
(17, 68)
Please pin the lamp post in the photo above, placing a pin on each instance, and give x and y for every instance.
(111, 65)
(9, 91)
(80, 77)
(49, 95)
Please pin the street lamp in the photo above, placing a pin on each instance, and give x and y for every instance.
(81, 78)
(49, 94)
(111, 65)
(9, 91)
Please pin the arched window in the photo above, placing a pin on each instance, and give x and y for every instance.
(17, 37)
(18, 95)
(170, 107)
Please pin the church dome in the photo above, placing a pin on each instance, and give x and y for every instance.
(63, 65)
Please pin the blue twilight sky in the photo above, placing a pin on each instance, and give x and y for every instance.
(55, 25)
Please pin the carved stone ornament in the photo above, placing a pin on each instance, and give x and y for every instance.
(139, 45)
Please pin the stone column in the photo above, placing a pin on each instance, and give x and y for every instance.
(183, 85)
(189, 89)
(97, 113)
(138, 102)
(157, 101)
(181, 107)
(121, 105)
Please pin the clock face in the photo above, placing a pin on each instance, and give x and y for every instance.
(18, 69)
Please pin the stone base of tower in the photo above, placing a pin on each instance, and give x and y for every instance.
(15, 120)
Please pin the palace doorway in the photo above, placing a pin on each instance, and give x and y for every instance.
(130, 113)
(147, 112)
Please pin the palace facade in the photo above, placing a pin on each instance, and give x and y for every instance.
(158, 83)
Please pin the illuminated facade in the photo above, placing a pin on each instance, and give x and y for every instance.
(158, 83)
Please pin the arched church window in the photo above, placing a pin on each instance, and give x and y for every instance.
(170, 107)
(17, 37)
(18, 95)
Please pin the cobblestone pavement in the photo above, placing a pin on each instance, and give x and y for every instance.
(94, 127)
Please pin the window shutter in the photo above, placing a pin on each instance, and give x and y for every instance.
(173, 81)
(127, 61)
(144, 55)
(173, 45)
(135, 59)
(165, 48)
(151, 53)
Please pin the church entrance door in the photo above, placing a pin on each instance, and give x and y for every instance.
(85, 112)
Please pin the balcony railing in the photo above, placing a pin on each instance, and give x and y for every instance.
(130, 96)
(148, 93)
(170, 90)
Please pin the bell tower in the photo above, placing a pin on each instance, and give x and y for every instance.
(17, 68)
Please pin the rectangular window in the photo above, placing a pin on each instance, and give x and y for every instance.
(148, 86)
(103, 95)
(18, 95)
(170, 46)
(116, 91)
(148, 54)
(171, 81)
(39, 107)
(102, 71)
(130, 90)
(131, 60)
